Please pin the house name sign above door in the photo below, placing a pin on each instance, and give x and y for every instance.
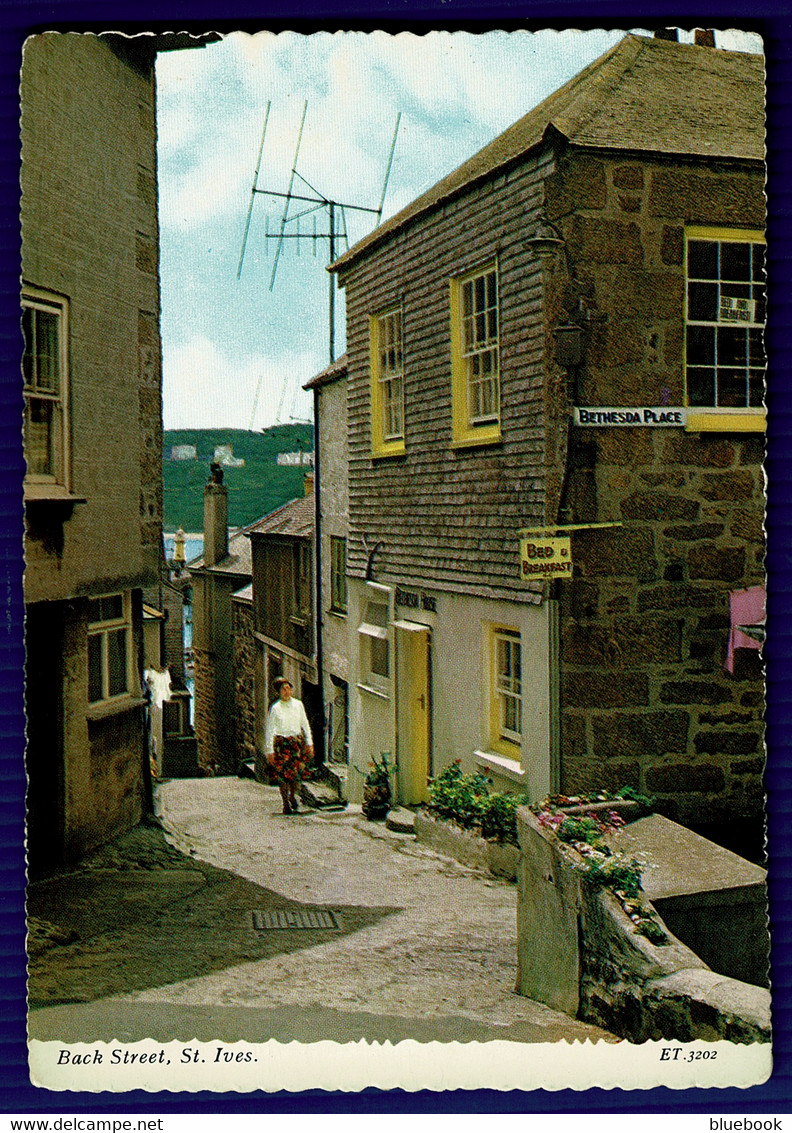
(645, 416)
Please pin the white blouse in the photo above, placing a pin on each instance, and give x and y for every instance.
(286, 718)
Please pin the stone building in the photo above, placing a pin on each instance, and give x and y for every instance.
(604, 254)
(332, 468)
(93, 433)
(284, 605)
(224, 568)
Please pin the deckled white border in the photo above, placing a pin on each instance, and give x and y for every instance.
(407, 1065)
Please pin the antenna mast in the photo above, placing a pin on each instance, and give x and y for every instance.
(317, 201)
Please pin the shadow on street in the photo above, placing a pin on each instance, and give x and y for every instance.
(139, 914)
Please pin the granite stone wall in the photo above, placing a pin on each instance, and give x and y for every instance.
(646, 699)
(245, 650)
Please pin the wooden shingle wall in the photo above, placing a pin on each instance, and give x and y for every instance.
(450, 517)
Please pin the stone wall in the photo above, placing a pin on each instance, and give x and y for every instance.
(646, 699)
(246, 649)
(579, 952)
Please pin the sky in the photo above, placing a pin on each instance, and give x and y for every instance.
(235, 352)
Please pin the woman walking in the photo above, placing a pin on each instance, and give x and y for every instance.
(288, 743)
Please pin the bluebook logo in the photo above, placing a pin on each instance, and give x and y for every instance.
(743, 1124)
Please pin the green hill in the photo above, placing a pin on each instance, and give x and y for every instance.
(253, 490)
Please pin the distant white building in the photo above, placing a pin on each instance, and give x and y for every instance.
(224, 454)
(295, 459)
(184, 452)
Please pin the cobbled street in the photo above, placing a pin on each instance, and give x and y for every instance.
(157, 937)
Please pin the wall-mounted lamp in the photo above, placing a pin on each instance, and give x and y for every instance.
(545, 240)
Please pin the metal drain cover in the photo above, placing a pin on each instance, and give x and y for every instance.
(295, 918)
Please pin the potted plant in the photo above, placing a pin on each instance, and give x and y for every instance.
(377, 788)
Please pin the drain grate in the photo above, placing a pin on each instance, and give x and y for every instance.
(295, 918)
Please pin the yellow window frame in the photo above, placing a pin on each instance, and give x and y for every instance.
(465, 434)
(497, 742)
(380, 445)
(714, 419)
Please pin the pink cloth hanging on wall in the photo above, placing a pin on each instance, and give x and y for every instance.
(746, 607)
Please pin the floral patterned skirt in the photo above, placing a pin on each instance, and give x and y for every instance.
(289, 761)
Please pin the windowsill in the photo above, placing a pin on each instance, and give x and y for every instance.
(45, 492)
(373, 691)
(104, 708)
(340, 614)
(703, 420)
(476, 440)
(300, 623)
(501, 765)
(386, 449)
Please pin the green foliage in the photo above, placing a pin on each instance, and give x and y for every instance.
(614, 872)
(646, 801)
(583, 829)
(253, 491)
(380, 770)
(649, 928)
(468, 801)
(499, 820)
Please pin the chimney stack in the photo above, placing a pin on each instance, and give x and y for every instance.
(215, 518)
(704, 37)
(671, 34)
(308, 483)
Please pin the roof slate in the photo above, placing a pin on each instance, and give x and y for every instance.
(645, 95)
(294, 518)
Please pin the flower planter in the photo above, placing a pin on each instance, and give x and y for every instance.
(467, 846)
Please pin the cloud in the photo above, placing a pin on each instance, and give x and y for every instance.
(206, 388)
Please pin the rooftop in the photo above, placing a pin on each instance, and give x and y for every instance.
(645, 95)
(295, 518)
(332, 373)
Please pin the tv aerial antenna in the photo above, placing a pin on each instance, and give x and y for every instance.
(314, 203)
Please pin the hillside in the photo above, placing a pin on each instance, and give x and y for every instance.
(254, 490)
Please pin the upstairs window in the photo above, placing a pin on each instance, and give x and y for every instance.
(725, 317)
(109, 647)
(45, 387)
(302, 579)
(338, 584)
(387, 384)
(475, 362)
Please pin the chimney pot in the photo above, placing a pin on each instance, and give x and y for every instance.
(215, 523)
(704, 37)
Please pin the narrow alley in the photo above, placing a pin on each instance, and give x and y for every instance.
(160, 941)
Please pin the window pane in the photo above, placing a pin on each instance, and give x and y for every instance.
(117, 662)
(39, 436)
(379, 656)
(756, 352)
(759, 261)
(732, 346)
(703, 302)
(701, 346)
(756, 388)
(95, 667)
(27, 358)
(703, 259)
(732, 388)
(735, 261)
(47, 359)
(112, 607)
(701, 386)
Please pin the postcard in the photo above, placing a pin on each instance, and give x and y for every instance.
(395, 560)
